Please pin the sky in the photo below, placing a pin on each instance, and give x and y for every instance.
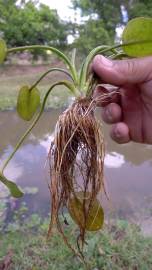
(64, 11)
(63, 8)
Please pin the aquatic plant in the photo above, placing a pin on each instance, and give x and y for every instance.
(77, 150)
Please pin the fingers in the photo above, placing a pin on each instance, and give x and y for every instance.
(119, 72)
(120, 133)
(124, 73)
(112, 113)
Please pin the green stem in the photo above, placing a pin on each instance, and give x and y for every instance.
(73, 57)
(65, 83)
(119, 56)
(84, 69)
(52, 49)
(99, 50)
(47, 72)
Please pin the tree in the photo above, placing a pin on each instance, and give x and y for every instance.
(91, 35)
(107, 11)
(141, 8)
(110, 12)
(28, 23)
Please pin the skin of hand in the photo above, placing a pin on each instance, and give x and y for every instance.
(130, 110)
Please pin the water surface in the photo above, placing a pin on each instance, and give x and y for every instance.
(128, 168)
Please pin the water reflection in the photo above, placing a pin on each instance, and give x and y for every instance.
(114, 160)
(128, 170)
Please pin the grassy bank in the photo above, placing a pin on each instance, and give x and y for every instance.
(13, 77)
(118, 246)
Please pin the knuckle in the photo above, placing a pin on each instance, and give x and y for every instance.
(131, 67)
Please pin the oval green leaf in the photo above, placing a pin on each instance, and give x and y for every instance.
(3, 50)
(28, 102)
(95, 218)
(138, 30)
(13, 188)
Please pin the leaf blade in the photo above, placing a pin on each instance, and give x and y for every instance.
(3, 50)
(13, 188)
(138, 29)
(28, 102)
(95, 218)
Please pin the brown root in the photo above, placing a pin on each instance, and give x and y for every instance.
(76, 161)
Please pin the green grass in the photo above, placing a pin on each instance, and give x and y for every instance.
(11, 81)
(119, 246)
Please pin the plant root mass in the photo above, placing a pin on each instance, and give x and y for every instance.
(76, 159)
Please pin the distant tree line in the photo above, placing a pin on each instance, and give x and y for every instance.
(104, 17)
(28, 22)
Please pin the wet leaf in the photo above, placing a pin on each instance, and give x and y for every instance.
(95, 217)
(13, 188)
(28, 102)
(138, 29)
(3, 50)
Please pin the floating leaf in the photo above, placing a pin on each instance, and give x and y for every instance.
(13, 188)
(95, 217)
(3, 50)
(28, 102)
(138, 29)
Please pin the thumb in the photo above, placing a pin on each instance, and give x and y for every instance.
(118, 72)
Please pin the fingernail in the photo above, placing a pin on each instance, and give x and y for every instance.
(106, 62)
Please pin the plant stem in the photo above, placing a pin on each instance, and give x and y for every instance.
(52, 49)
(49, 71)
(73, 57)
(99, 50)
(119, 56)
(85, 66)
(65, 83)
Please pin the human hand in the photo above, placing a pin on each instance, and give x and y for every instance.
(129, 111)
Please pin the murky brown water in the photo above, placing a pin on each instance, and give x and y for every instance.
(128, 168)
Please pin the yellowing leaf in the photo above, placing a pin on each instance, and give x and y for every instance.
(138, 29)
(95, 216)
(13, 188)
(3, 50)
(28, 102)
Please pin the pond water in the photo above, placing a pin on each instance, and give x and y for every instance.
(128, 169)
